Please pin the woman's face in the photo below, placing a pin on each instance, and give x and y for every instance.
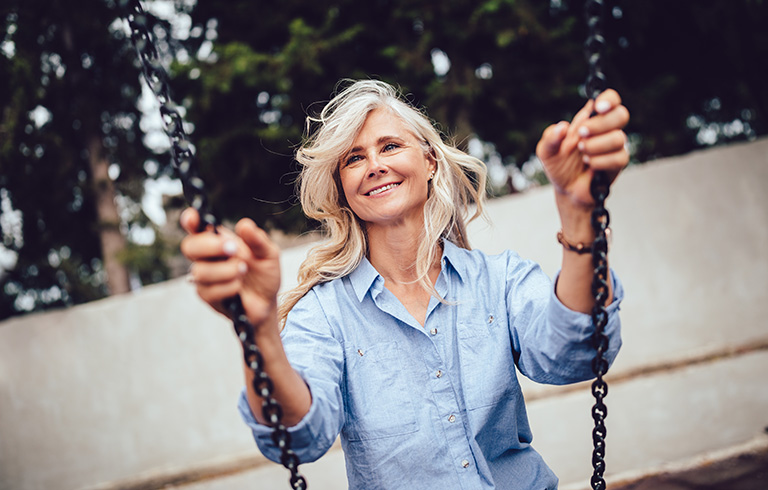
(385, 174)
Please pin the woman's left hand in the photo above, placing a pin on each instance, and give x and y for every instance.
(572, 152)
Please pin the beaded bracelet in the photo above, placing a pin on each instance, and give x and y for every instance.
(581, 247)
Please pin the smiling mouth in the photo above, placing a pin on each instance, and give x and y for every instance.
(379, 190)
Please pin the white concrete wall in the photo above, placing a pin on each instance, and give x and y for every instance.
(144, 385)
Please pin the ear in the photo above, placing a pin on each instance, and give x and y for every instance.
(431, 161)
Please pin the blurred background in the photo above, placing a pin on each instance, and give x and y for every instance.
(89, 203)
(138, 390)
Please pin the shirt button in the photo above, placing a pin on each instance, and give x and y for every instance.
(464, 463)
(439, 374)
(451, 418)
(433, 331)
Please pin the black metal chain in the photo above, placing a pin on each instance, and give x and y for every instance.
(182, 153)
(599, 188)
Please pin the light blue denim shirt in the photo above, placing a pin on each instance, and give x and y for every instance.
(438, 406)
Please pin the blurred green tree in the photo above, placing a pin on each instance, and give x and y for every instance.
(70, 153)
(500, 70)
(249, 72)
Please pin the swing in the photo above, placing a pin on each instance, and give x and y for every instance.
(194, 191)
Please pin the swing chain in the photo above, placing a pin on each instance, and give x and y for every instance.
(182, 154)
(182, 151)
(599, 188)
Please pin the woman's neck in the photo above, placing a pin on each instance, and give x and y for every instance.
(392, 251)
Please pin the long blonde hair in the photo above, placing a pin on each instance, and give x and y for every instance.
(458, 184)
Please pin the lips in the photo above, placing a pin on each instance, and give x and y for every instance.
(383, 188)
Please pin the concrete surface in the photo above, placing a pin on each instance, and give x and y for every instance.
(748, 471)
(140, 390)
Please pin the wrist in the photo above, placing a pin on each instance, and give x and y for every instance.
(575, 219)
(583, 248)
(267, 330)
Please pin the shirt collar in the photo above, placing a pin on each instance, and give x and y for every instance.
(452, 255)
(364, 276)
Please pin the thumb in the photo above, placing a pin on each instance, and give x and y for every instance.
(551, 139)
(256, 239)
(189, 220)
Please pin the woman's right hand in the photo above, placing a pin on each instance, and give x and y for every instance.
(225, 264)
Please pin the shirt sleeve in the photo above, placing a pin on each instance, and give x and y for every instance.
(318, 358)
(552, 343)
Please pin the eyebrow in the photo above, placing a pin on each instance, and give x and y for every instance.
(379, 141)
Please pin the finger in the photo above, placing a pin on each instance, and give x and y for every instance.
(607, 100)
(212, 273)
(583, 115)
(189, 220)
(603, 143)
(551, 139)
(615, 118)
(256, 239)
(216, 293)
(612, 163)
(210, 246)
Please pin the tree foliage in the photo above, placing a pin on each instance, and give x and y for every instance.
(248, 73)
(686, 70)
(70, 146)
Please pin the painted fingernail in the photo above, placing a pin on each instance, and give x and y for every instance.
(230, 248)
(585, 159)
(582, 146)
(583, 131)
(602, 106)
(242, 268)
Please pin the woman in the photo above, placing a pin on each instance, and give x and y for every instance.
(399, 337)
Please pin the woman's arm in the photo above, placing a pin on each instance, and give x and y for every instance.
(571, 154)
(247, 263)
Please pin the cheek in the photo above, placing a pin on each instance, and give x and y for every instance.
(349, 187)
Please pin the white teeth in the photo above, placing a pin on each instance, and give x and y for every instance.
(382, 189)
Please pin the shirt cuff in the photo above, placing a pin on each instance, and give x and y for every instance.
(301, 433)
(561, 315)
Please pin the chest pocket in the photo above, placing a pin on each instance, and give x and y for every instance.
(485, 354)
(378, 399)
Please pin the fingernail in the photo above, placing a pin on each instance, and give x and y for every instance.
(602, 106)
(559, 129)
(582, 146)
(230, 248)
(583, 131)
(242, 268)
(585, 159)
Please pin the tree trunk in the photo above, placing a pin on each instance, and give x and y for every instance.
(112, 241)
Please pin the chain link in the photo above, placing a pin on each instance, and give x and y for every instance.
(182, 153)
(599, 188)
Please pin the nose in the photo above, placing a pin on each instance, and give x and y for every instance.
(375, 166)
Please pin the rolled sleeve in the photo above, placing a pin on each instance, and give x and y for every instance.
(578, 328)
(317, 356)
(558, 348)
(305, 442)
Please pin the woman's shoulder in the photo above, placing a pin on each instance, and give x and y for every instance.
(476, 256)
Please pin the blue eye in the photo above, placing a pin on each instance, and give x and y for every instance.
(390, 147)
(353, 159)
